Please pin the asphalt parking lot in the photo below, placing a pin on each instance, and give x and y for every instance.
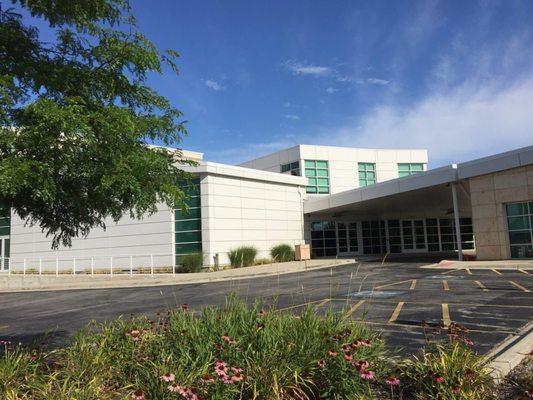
(394, 298)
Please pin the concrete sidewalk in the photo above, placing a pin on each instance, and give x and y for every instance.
(17, 282)
(500, 264)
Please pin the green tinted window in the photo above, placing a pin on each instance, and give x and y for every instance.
(520, 226)
(406, 169)
(293, 168)
(188, 223)
(367, 174)
(317, 174)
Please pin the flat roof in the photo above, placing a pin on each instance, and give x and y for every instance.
(433, 177)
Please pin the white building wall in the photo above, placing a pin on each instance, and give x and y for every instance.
(343, 162)
(237, 212)
(139, 239)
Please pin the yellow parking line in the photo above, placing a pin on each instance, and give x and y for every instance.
(519, 286)
(392, 284)
(353, 308)
(323, 302)
(524, 271)
(413, 284)
(468, 270)
(495, 271)
(446, 315)
(449, 271)
(482, 286)
(445, 285)
(396, 312)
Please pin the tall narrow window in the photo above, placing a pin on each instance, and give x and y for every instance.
(520, 226)
(367, 174)
(406, 169)
(317, 174)
(188, 223)
(5, 231)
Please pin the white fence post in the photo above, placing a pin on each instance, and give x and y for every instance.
(24, 267)
(92, 267)
(57, 265)
(111, 263)
(40, 266)
(131, 266)
(73, 265)
(151, 264)
(9, 266)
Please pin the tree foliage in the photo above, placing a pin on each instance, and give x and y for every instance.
(75, 114)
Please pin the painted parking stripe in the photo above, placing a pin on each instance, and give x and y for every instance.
(396, 312)
(445, 285)
(495, 271)
(413, 284)
(524, 271)
(519, 286)
(468, 270)
(353, 308)
(323, 303)
(482, 286)
(446, 315)
(449, 271)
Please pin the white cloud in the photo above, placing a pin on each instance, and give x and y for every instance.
(298, 68)
(377, 81)
(331, 90)
(211, 84)
(292, 116)
(455, 125)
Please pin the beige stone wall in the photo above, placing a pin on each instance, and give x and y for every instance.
(489, 193)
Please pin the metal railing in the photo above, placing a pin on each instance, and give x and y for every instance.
(150, 264)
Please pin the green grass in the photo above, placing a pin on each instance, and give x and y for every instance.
(282, 252)
(243, 256)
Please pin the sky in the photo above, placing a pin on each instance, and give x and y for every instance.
(453, 77)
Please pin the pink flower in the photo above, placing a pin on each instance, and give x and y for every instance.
(138, 395)
(367, 343)
(236, 370)
(346, 347)
(438, 379)
(237, 377)
(456, 390)
(348, 357)
(332, 353)
(367, 375)
(468, 342)
(361, 365)
(134, 334)
(469, 374)
(174, 388)
(261, 313)
(392, 380)
(168, 377)
(358, 343)
(208, 378)
(321, 363)
(184, 307)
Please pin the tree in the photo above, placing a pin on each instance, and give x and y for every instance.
(75, 115)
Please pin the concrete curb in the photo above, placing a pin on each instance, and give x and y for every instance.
(124, 282)
(483, 265)
(509, 353)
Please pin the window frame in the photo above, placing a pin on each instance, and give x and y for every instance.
(365, 170)
(409, 170)
(315, 180)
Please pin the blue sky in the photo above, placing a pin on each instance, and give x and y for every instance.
(454, 77)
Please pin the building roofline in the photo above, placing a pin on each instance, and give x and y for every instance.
(211, 168)
(437, 176)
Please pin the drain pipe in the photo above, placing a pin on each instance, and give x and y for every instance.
(457, 223)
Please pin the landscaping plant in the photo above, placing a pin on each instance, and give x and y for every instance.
(191, 262)
(282, 253)
(243, 256)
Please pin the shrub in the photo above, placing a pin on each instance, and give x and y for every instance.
(449, 371)
(191, 262)
(282, 252)
(234, 352)
(243, 256)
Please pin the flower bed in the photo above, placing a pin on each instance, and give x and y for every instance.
(236, 352)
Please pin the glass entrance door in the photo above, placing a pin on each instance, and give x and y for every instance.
(347, 238)
(414, 235)
(4, 253)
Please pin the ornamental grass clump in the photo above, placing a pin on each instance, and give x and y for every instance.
(282, 253)
(232, 352)
(191, 263)
(243, 256)
(449, 370)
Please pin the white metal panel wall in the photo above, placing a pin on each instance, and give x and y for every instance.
(152, 235)
(238, 212)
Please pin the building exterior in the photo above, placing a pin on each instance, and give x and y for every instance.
(342, 201)
(331, 169)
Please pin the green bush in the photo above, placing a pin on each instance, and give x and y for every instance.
(233, 352)
(191, 262)
(282, 252)
(243, 256)
(449, 371)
